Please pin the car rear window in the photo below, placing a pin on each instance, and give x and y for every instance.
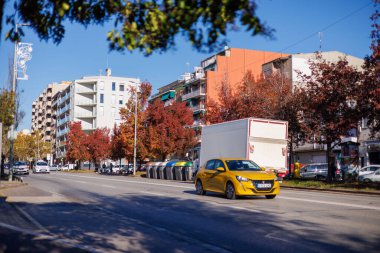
(41, 164)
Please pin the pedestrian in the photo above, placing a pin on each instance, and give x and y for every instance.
(111, 166)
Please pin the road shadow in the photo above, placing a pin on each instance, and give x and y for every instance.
(151, 223)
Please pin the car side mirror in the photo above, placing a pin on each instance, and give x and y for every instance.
(262, 168)
(220, 169)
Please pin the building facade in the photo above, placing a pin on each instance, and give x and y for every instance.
(95, 101)
(43, 119)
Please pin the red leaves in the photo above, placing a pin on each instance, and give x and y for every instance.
(98, 144)
(76, 143)
(264, 98)
(166, 129)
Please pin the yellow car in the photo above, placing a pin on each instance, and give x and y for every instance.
(236, 177)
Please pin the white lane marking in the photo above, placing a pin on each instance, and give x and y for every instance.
(134, 182)
(332, 203)
(108, 186)
(152, 193)
(64, 242)
(236, 207)
(31, 219)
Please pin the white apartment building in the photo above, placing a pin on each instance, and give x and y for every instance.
(42, 114)
(95, 101)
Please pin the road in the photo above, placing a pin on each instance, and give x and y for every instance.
(105, 213)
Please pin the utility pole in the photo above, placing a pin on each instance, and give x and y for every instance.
(135, 139)
(24, 55)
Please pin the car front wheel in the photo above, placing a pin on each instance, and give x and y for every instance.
(199, 188)
(230, 191)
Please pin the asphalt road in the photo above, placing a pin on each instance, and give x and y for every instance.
(104, 213)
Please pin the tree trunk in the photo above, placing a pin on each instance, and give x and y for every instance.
(330, 164)
(291, 157)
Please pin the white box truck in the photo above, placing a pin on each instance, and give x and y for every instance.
(263, 141)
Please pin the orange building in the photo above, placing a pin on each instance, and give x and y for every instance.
(231, 65)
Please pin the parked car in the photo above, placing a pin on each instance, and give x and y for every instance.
(236, 177)
(41, 166)
(318, 171)
(67, 167)
(372, 177)
(365, 170)
(314, 171)
(54, 167)
(20, 168)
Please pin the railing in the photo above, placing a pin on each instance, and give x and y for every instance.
(64, 109)
(63, 132)
(85, 102)
(85, 90)
(63, 121)
(198, 107)
(196, 93)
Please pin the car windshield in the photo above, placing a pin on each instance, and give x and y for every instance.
(41, 164)
(242, 165)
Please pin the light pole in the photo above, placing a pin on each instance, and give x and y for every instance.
(22, 54)
(135, 139)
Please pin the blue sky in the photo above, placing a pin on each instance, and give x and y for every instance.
(84, 52)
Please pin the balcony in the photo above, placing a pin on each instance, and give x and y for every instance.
(85, 115)
(63, 132)
(193, 94)
(84, 90)
(86, 102)
(64, 109)
(63, 121)
(197, 108)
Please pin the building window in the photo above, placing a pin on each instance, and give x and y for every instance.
(113, 86)
(102, 98)
(120, 100)
(121, 87)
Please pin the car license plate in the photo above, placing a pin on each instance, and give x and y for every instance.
(264, 185)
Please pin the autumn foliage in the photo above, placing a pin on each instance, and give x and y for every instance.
(263, 98)
(98, 145)
(166, 129)
(76, 143)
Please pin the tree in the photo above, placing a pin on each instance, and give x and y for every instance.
(127, 125)
(98, 145)
(226, 108)
(328, 99)
(144, 25)
(76, 144)
(7, 109)
(22, 147)
(117, 145)
(39, 147)
(371, 89)
(263, 98)
(167, 129)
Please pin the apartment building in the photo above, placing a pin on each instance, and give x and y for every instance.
(357, 141)
(43, 118)
(95, 101)
(203, 84)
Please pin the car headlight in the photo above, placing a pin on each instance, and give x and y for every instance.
(242, 179)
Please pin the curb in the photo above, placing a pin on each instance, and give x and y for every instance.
(330, 190)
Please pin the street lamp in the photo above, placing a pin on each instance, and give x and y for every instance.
(22, 54)
(135, 137)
